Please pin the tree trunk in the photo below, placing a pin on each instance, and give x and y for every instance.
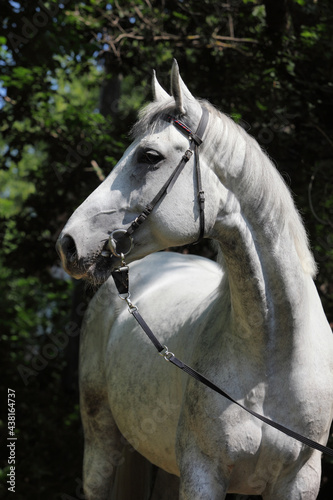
(276, 16)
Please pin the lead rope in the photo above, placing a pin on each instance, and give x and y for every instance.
(121, 279)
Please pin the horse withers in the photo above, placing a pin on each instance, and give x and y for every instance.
(252, 323)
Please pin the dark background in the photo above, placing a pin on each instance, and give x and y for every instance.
(73, 76)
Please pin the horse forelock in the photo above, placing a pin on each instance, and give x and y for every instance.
(151, 116)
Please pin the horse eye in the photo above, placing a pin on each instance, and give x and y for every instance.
(150, 157)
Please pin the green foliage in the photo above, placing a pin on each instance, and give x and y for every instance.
(270, 70)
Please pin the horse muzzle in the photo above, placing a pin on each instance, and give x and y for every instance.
(67, 251)
(98, 263)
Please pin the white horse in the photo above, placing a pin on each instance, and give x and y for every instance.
(252, 323)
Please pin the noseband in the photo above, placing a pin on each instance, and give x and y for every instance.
(118, 237)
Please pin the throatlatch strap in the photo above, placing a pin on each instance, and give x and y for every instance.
(201, 194)
(195, 142)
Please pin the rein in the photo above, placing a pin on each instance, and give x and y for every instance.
(121, 280)
(121, 274)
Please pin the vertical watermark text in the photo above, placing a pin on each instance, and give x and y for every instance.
(11, 440)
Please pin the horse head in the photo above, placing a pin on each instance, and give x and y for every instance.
(158, 146)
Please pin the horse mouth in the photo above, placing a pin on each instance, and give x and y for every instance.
(95, 269)
(100, 270)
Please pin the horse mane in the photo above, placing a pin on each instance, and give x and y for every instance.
(256, 179)
(259, 180)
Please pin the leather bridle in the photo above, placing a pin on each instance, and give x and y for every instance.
(120, 274)
(123, 238)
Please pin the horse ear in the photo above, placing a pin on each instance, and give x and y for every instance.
(179, 90)
(159, 93)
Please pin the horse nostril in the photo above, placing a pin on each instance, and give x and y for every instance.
(66, 248)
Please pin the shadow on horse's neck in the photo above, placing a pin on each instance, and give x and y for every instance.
(262, 239)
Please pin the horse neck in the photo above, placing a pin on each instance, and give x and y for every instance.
(262, 240)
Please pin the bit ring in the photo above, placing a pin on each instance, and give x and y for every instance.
(113, 242)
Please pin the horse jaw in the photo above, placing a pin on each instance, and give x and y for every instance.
(159, 93)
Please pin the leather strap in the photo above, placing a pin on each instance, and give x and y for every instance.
(201, 194)
(196, 139)
(201, 378)
(120, 276)
(121, 282)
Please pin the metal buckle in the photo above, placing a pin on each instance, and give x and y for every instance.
(121, 269)
(126, 297)
(166, 354)
(187, 155)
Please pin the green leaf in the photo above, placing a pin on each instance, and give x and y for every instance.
(261, 106)
(179, 15)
